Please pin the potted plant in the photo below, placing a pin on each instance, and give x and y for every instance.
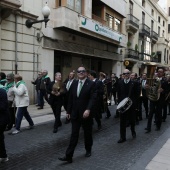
(129, 44)
(136, 47)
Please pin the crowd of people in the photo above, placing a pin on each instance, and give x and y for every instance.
(86, 96)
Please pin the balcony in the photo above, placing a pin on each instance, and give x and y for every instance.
(132, 54)
(144, 30)
(144, 57)
(154, 36)
(97, 18)
(132, 23)
(72, 21)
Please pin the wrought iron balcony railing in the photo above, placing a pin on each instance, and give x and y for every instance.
(132, 20)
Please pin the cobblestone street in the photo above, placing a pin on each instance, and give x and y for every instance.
(39, 149)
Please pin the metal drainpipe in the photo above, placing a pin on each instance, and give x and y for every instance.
(16, 44)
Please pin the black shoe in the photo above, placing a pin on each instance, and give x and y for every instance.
(55, 130)
(134, 134)
(163, 120)
(69, 160)
(157, 129)
(148, 131)
(168, 113)
(88, 154)
(137, 122)
(121, 140)
(40, 108)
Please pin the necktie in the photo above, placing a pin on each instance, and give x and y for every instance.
(68, 85)
(80, 87)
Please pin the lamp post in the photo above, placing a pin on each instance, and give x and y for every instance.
(45, 12)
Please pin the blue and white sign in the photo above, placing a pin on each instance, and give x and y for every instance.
(93, 26)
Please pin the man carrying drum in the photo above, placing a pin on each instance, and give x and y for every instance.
(127, 94)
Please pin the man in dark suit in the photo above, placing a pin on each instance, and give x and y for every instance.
(81, 100)
(157, 106)
(143, 98)
(127, 88)
(68, 82)
(4, 120)
(99, 100)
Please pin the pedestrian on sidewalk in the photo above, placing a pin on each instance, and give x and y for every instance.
(44, 84)
(11, 104)
(37, 83)
(4, 119)
(57, 90)
(81, 100)
(21, 102)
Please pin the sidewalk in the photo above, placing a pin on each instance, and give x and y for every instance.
(41, 116)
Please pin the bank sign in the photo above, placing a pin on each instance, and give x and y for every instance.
(93, 26)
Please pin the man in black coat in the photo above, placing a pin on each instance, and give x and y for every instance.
(143, 98)
(4, 120)
(157, 106)
(81, 100)
(45, 82)
(127, 88)
(99, 100)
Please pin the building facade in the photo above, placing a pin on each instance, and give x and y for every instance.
(148, 42)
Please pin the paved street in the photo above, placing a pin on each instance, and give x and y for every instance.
(39, 149)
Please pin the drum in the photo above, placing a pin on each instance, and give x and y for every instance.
(124, 105)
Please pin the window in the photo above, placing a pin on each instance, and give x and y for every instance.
(58, 3)
(109, 20)
(152, 12)
(159, 19)
(143, 17)
(75, 5)
(163, 33)
(117, 25)
(143, 3)
(152, 25)
(163, 23)
(168, 28)
(131, 7)
(159, 31)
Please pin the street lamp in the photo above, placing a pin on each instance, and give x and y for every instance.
(45, 12)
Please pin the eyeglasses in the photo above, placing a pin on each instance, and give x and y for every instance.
(125, 73)
(81, 71)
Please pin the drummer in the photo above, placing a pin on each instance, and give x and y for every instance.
(127, 89)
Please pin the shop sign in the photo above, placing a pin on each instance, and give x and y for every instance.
(93, 26)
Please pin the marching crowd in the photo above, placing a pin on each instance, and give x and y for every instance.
(86, 96)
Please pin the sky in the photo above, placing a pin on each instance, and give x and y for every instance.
(162, 3)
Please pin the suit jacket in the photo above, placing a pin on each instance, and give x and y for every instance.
(53, 98)
(85, 101)
(132, 93)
